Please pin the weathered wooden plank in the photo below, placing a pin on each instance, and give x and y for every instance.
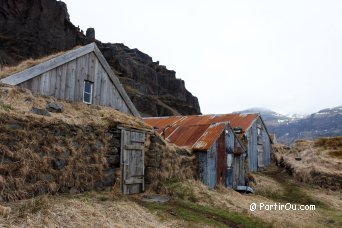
(39, 69)
(57, 86)
(133, 180)
(63, 81)
(34, 85)
(104, 88)
(97, 82)
(81, 75)
(53, 76)
(70, 81)
(116, 82)
(134, 147)
(92, 59)
(45, 81)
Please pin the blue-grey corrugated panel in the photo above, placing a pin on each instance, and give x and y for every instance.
(211, 166)
(230, 146)
(236, 174)
(202, 166)
(252, 148)
(242, 180)
(267, 148)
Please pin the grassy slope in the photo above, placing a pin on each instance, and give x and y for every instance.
(192, 205)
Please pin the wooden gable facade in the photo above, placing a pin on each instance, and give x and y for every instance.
(80, 75)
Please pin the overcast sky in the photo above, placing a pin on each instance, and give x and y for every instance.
(233, 55)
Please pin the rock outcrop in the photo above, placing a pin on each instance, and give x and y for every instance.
(154, 89)
(36, 28)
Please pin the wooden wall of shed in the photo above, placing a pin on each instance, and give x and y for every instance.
(67, 82)
(251, 135)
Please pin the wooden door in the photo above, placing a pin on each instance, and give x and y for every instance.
(132, 161)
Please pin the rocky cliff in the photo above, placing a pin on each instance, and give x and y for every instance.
(35, 28)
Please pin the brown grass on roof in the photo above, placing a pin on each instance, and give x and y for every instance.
(9, 70)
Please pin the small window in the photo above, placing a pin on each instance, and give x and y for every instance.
(259, 131)
(229, 160)
(88, 92)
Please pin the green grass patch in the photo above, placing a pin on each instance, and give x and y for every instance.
(199, 214)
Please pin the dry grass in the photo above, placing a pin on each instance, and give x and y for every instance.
(330, 143)
(103, 209)
(316, 166)
(267, 186)
(7, 71)
(333, 146)
(17, 101)
(167, 163)
(96, 209)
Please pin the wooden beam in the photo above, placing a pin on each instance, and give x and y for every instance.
(133, 180)
(41, 68)
(134, 147)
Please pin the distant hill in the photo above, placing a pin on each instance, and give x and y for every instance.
(324, 123)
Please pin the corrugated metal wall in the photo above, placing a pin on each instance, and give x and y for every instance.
(235, 175)
(267, 148)
(221, 161)
(211, 163)
(252, 148)
(251, 135)
(201, 157)
(214, 161)
(230, 148)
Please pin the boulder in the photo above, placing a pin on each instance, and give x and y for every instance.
(55, 107)
(40, 111)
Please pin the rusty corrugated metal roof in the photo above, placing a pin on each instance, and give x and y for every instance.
(187, 131)
(199, 131)
(235, 120)
(207, 139)
(187, 135)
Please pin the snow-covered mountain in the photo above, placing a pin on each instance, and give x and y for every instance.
(288, 128)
